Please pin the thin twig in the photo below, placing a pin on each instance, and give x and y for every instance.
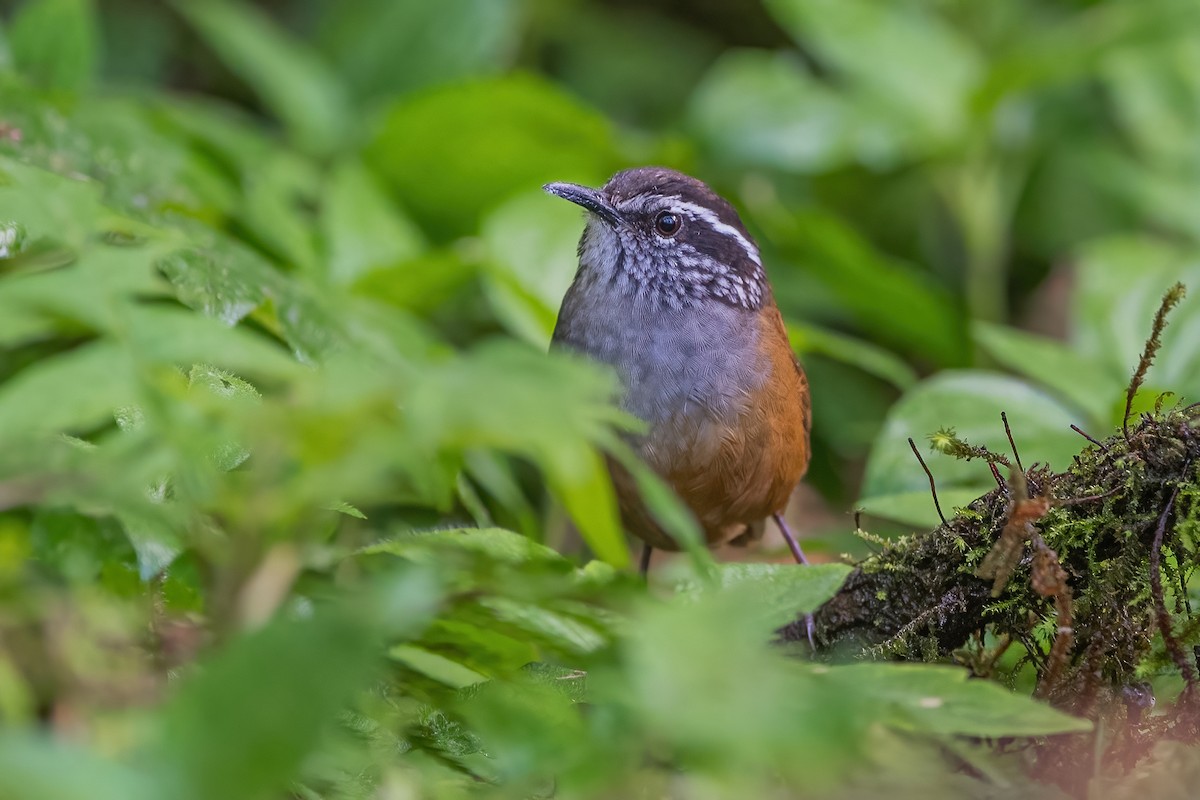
(1096, 442)
(996, 475)
(932, 485)
(1160, 605)
(1011, 443)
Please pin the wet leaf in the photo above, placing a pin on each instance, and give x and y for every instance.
(970, 402)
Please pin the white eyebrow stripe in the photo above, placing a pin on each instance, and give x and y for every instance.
(700, 212)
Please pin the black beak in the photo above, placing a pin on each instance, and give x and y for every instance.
(590, 199)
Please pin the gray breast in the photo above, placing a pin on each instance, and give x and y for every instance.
(695, 360)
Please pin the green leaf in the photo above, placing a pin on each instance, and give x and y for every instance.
(421, 284)
(901, 81)
(581, 482)
(94, 294)
(494, 543)
(342, 507)
(220, 278)
(48, 206)
(1121, 281)
(392, 47)
(75, 391)
(782, 591)
(296, 674)
(1155, 90)
(904, 310)
(869, 358)
(272, 214)
(970, 402)
(555, 415)
(906, 63)
(36, 767)
(55, 42)
(1075, 377)
(764, 109)
(435, 666)
(363, 229)
(535, 133)
(179, 337)
(531, 242)
(290, 78)
(916, 508)
(686, 695)
(947, 701)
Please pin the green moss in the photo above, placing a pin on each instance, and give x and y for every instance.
(919, 597)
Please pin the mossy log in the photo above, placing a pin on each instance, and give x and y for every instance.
(1120, 525)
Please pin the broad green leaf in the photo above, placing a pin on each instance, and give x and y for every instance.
(74, 391)
(363, 229)
(535, 133)
(1078, 45)
(765, 109)
(916, 508)
(565, 632)
(55, 42)
(290, 78)
(970, 402)
(179, 337)
(495, 543)
(560, 405)
(75, 546)
(531, 245)
(48, 206)
(1073, 376)
(94, 294)
(272, 215)
(904, 309)
(1121, 283)
(1156, 90)
(782, 591)
(422, 284)
(391, 47)
(435, 666)
(859, 353)
(232, 136)
(718, 698)
(581, 482)
(909, 63)
(38, 767)
(210, 746)
(219, 278)
(945, 700)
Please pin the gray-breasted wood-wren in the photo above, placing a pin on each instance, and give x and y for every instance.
(671, 292)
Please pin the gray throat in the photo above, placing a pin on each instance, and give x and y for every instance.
(696, 359)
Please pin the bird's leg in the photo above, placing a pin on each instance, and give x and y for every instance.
(794, 546)
(645, 565)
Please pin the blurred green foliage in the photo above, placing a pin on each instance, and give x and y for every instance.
(286, 476)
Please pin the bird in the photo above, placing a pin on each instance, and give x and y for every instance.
(671, 293)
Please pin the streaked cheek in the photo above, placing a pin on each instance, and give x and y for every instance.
(599, 249)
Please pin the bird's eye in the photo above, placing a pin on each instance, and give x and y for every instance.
(667, 223)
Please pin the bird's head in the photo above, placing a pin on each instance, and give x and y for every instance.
(668, 237)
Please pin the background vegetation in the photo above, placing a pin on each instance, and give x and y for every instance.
(288, 487)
